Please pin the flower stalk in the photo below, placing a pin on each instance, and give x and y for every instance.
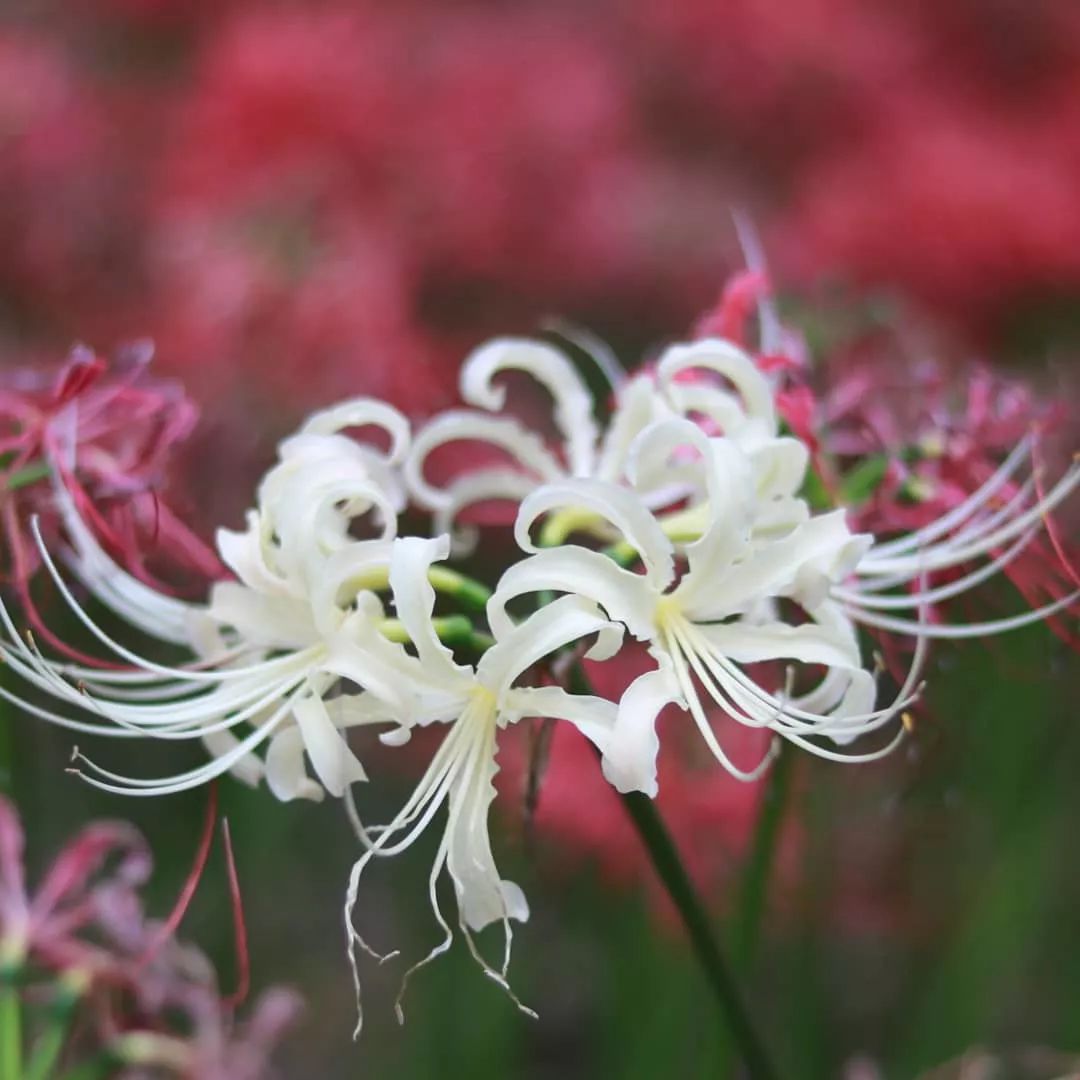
(759, 867)
(47, 1052)
(665, 860)
(10, 1030)
(669, 869)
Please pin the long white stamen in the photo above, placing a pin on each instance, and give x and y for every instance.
(947, 555)
(869, 581)
(943, 592)
(950, 520)
(693, 703)
(195, 777)
(128, 655)
(971, 630)
(427, 797)
(210, 712)
(472, 761)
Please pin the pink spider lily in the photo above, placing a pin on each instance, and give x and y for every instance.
(48, 925)
(106, 434)
(145, 999)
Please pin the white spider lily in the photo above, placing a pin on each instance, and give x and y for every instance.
(720, 615)
(308, 502)
(474, 703)
(995, 523)
(744, 411)
(583, 451)
(270, 647)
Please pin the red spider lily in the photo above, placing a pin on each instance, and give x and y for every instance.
(216, 1049)
(902, 444)
(106, 434)
(743, 297)
(940, 434)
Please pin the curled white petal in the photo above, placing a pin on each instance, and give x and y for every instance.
(555, 372)
(629, 761)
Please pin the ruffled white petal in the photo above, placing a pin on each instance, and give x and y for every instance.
(286, 775)
(483, 897)
(414, 601)
(637, 405)
(619, 507)
(560, 623)
(807, 643)
(731, 363)
(363, 412)
(505, 434)
(555, 372)
(334, 763)
(625, 596)
(629, 761)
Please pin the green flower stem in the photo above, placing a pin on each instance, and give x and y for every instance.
(559, 526)
(453, 630)
(473, 594)
(42, 1066)
(758, 871)
(100, 1067)
(7, 753)
(10, 1033)
(47, 1052)
(469, 592)
(669, 868)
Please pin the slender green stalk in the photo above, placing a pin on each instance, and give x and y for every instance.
(669, 868)
(469, 592)
(472, 593)
(100, 1067)
(7, 753)
(50, 1046)
(10, 1033)
(25, 477)
(47, 1052)
(453, 630)
(758, 871)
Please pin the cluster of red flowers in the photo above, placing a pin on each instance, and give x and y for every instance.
(97, 983)
(335, 197)
(105, 435)
(922, 145)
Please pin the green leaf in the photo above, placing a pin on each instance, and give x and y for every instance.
(864, 480)
(39, 470)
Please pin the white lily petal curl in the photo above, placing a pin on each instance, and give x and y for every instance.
(629, 761)
(554, 371)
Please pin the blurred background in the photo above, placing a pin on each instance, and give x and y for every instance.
(297, 202)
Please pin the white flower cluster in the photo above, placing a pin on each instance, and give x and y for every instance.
(680, 524)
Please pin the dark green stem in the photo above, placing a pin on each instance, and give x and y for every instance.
(100, 1067)
(452, 630)
(755, 882)
(7, 754)
(669, 868)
